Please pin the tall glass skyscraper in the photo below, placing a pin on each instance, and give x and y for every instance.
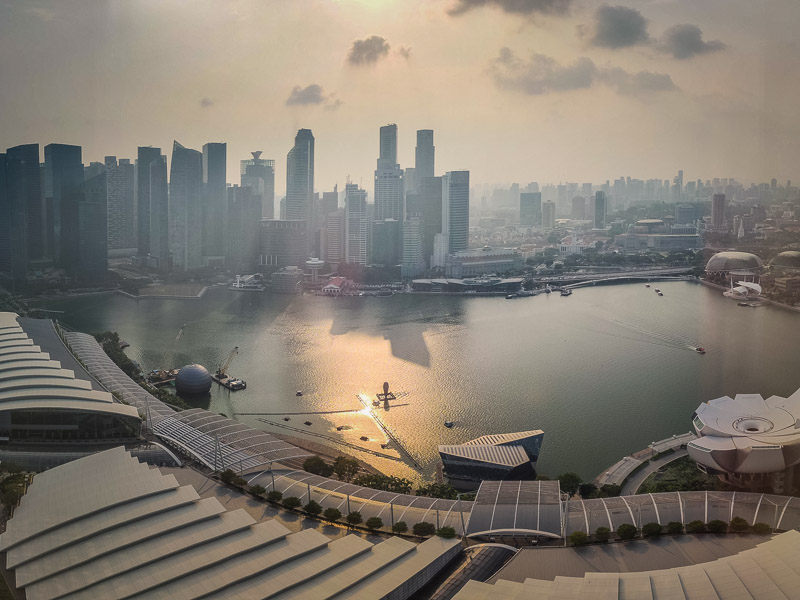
(27, 203)
(455, 207)
(186, 208)
(425, 153)
(215, 157)
(145, 157)
(259, 175)
(355, 200)
(121, 203)
(600, 210)
(300, 177)
(388, 178)
(63, 172)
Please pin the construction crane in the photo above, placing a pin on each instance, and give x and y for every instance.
(222, 371)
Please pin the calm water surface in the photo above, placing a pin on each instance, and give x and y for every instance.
(603, 372)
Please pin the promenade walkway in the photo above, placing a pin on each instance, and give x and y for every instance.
(617, 473)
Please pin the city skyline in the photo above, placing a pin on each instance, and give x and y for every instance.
(545, 93)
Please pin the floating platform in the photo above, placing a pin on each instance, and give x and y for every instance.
(229, 382)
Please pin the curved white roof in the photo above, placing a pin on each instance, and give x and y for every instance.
(748, 434)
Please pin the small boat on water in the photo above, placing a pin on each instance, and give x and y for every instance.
(566, 292)
(298, 393)
(449, 424)
(700, 350)
(307, 423)
(646, 285)
(510, 297)
(660, 293)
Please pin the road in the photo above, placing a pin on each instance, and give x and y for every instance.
(632, 483)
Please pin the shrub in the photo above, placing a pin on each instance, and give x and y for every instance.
(400, 527)
(446, 532)
(717, 526)
(345, 467)
(274, 496)
(696, 527)
(354, 518)
(626, 531)
(609, 490)
(674, 527)
(312, 508)
(424, 529)
(227, 476)
(332, 514)
(587, 490)
(292, 502)
(317, 466)
(739, 525)
(762, 529)
(652, 530)
(570, 482)
(602, 534)
(257, 490)
(578, 538)
(374, 523)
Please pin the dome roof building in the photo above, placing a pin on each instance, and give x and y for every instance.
(723, 262)
(787, 260)
(193, 380)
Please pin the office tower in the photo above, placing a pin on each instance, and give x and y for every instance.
(684, 214)
(414, 206)
(530, 209)
(159, 215)
(13, 218)
(548, 216)
(241, 239)
(455, 210)
(677, 187)
(145, 157)
(85, 254)
(93, 169)
(718, 203)
(355, 205)
(532, 187)
(578, 208)
(562, 198)
(186, 208)
(388, 178)
(215, 160)
(387, 243)
(413, 263)
(120, 182)
(410, 181)
(63, 172)
(300, 177)
(600, 210)
(27, 203)
(432, 211)
(334, 238)
(282, 244)
(424, 154)
(259, 174)
(330, 201)
(586, 190)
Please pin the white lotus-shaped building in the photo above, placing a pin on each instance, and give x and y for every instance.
(750, 442)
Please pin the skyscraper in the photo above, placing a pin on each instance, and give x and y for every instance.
(13, 245)
(388, 178)
(85, 253)
(684, 214)
(718, 204)
(425, 154)
(120, 182)
(355, 202)
(413, 257)
(600, 210)
(300, 177)
(530, 209)
(25, 196)
(63, 172)
(241, 239)
(455, 210)
(259, 174)
(186, 208)
(215, 160)
(159, 214)
(432, 213)
(579, 208)
(145, 157)
(281, 244)
(387, 242)
(334, 238)
(548, 216)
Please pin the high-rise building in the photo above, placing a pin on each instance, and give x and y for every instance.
(186, 208)
(145, 157)
(259, 174)
(334, 238)
(159, 256)
(330, 201)
(63, 172)
(718, 205)
(281, 244)
(85, 253)
(356, 221)
(413, 262)
(425, 154)
(578, 208)
(432, 212)
(215, 161)
(586, 190)
(93, 169)
(25, 194)
(548, 216)
(242, 220)
(684, 214)
(410, 182)
(13, 219)
(455, 210)
(388, 178)
(120, 182)
(300, 177)
(530, 209)
(387, 243)
(600, 210)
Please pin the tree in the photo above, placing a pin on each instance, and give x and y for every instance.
(345, 467)
(674, 527)
(424, 529)
(542, 478)
(717, 526)
(227, 476)
(312, 508)
(274, 496)
(578, 538)
(762, 529)
(354, 518)
(257, 490)
(446, 532)
(626, 531)
(602, 534)
(609, 490)
(292, 502)
(652, 530)
(374, 523)
(332, 514)
(587, 490)
(400, 527)
(739, 525)
(317, 466)
(696, 527)
(570, 482)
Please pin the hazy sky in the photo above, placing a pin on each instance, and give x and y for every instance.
(516, 90)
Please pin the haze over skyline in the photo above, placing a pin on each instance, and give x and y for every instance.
(516, 90)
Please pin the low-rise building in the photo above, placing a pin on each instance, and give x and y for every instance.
(287, 281)
(483, 261)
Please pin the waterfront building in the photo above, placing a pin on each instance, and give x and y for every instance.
(548, 216)
(186, 208)
(730, 261)
(300, 177)
(658, 242)
(432, 212)
(718, 206)
(477, 285)
(413, 248)
(355, 200)
(215, 165)
(259, 174)
(85, 236)
(314, 265)
(288, 280)
(242, 222)
(455, 210)
(388, 178)
(28, 241)
(13, 219)
(482, 261)
(148, 206)
(63, 172)
(600, 210)
(424, 154)
(334, 238)
(530, 209)
(387, 243)
(159, 255)
(439, 257)
(788, 261)
(788, 285)
(282, 243)
(121, 182)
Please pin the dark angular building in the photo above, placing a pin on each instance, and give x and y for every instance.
(387, 243)
(63, 173)
(282, 243)
(24, 189)
(241, 240)
(530, 209)
(146, 156)
(431, 213)
(215, 157)
(186, 208)
(120, 179)
(300, 177)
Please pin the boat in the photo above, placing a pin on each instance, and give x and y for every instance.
(286, 419)
(547, 290)
(660, 293)
(646, 285)
(385, 446)
(236, 384)
(742, 304)
(510, 297)
(449, 424)
(307, 423)
(298, 393)
(700, 350)
(566, 292)
(364, 438)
